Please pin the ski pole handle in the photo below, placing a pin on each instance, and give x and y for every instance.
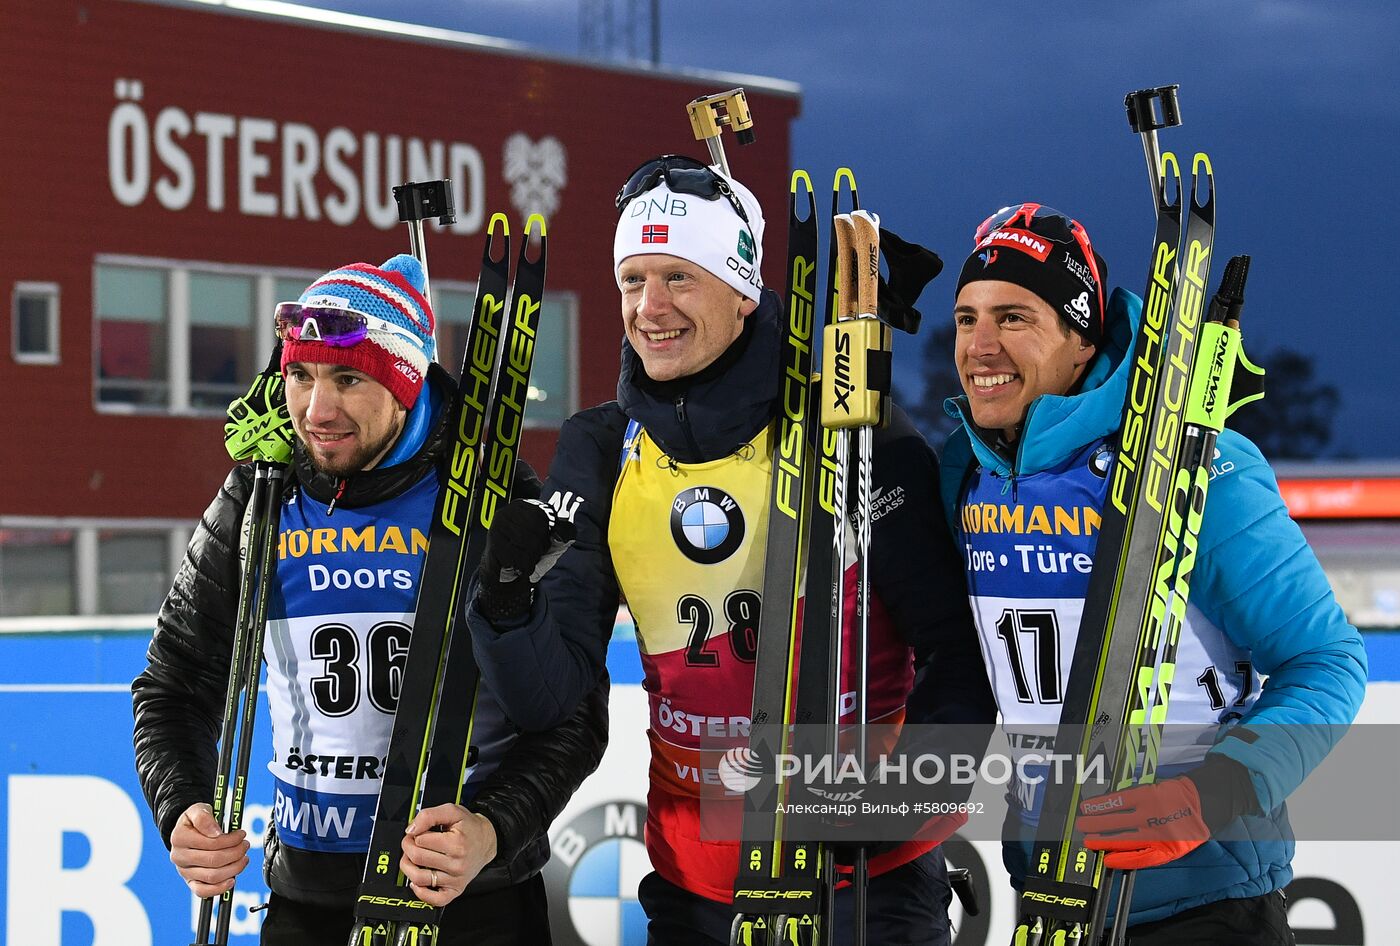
(418, 200)
(867, 262)
(856, 348)
(710, 113)
(1143, 107)
(844, 229)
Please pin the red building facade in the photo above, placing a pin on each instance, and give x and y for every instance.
(172, 170)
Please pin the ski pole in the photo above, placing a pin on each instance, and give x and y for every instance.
(710, 113)
(418, 200)
(836, 447)
(259, 428)
(856, 364)
(267, 516)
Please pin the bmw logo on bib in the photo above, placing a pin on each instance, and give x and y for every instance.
(1101, 460)
(707, 524)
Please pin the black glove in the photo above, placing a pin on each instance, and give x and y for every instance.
(526, 540)
(912, 267)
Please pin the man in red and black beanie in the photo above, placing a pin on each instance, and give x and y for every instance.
(1045, 356)
(1030, 310)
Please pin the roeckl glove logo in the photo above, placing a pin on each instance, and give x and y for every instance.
(1174, 816)
(1093, 808)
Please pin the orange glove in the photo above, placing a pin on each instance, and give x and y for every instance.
(1146, 825)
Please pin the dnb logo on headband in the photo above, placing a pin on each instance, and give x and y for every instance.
(598, 860)
(707, 524)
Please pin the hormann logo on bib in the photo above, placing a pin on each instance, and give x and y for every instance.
(707, 524)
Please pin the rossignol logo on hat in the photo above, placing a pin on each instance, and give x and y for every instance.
(1022, 240)
(745, 248)
(655, 233)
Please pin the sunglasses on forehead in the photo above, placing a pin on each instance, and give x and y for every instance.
(339, 328)
(1049, 223)
(683, 175)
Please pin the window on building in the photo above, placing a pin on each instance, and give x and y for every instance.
(38, 572)
(133, 336)
(61, 567)
(188, 338)
(552, 388)
(35, 319)
(452, 309)
(222, 355)
(555, 363)
(133, 571)
(287, 289)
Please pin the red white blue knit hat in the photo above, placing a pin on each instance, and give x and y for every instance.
(392, 292)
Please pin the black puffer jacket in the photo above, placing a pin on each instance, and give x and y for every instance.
(178, 700)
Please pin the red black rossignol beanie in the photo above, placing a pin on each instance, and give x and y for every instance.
(1042, 250)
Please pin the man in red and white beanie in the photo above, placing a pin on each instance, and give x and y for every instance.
(348, 428)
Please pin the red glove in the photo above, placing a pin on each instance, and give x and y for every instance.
(1144, 826)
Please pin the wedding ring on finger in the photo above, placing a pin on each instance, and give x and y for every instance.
(433, 873)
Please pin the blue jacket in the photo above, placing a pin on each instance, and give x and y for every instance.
(1257, 580)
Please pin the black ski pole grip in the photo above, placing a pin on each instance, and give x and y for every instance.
(1142, 116)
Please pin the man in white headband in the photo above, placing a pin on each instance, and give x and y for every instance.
(669, 488)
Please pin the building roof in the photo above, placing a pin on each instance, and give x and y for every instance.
(330, 19)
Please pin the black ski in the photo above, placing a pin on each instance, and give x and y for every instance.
(429, 746)
(1125, 650)
(818, 694)
(763, 896)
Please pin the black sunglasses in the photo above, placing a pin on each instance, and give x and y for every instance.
(683, 175)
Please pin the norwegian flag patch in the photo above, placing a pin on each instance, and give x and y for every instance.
(655, 232)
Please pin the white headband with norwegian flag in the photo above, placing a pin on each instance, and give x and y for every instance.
(708, 233)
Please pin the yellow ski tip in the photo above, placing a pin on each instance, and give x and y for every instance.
(502, 220)
(530, 224)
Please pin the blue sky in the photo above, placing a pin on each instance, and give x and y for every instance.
(948, 110)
